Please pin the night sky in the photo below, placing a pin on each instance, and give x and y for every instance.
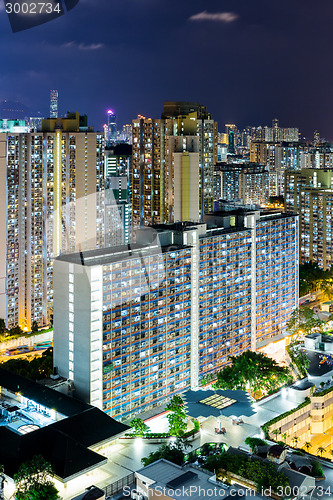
(247, 60)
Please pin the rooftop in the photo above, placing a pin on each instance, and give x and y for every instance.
(37, 420)
(241, 404)
(183, 481)
(104, 256)
(41, 394)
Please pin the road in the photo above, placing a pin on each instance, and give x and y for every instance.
(28, 355)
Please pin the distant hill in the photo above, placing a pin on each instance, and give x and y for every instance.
(13, 110)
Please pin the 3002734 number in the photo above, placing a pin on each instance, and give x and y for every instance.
(32, 8)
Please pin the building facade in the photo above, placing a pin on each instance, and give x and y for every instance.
(309, 192)
(54, 103)
(242, 182)
(118, 195)
(52, 202)
(184, 129)
(133, 326)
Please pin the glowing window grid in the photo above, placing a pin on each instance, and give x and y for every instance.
(218, 401)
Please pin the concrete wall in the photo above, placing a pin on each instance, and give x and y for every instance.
(78, 329)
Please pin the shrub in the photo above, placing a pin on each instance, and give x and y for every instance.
(317, 470)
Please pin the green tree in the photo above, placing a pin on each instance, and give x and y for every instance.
(307, 445)
(252, 371)
(140, 428)
(317, 470)
(169, 452)
(37, 369)
(33, 480)
(303, 320)
(252, 442)
(177, 417)
(298, 359)
(312, 278)
(34, 327)
(284, 436)
(3, 328)
(276, 433)
(295, 439)
(320, 450)
(16, 331)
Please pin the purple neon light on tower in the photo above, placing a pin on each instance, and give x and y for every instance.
(111, 128)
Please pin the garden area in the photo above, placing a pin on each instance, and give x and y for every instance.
(177, 417)
(253, 372)
(228, 466)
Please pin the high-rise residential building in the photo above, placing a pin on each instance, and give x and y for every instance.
(118, 194)
(320, 156)
(278, 157)
(147, 172)
(54, 103)
(35, 123)
(181, 171)
(277, 134)
(126, 133)
(118, 161)
(51, 202)
(207, 132)
(247, 183)
(309, 192)
(136, 324)
(118, 211)
(183, 141)
(232, 133)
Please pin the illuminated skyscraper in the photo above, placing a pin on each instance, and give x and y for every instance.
(110, 129)
(51, 202)
(53, 104)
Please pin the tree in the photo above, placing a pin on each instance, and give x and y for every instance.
(307, 445)
(16, 331)
(169, 452)
(312, 278)
(284, 436)
(253, 442)
(33, 480)
(252, 371)
(3, 328)
(34, 327)
(298, 359)
(276, 201)
(295, 439)
(303, 320)
(36, 369)
(140, 428)
(276, 432)
(320, 450)
(177, 417)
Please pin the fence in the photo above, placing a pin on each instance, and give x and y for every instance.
(117, 486)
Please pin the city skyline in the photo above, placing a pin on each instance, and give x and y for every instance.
(255, 61)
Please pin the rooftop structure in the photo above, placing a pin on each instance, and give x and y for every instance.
(37, 420)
